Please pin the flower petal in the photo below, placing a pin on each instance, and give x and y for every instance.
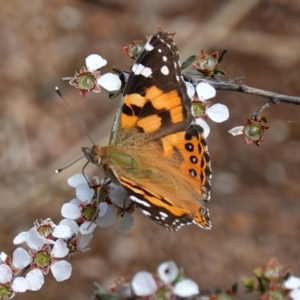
(103, 206)
(143, 284)
(126, 222)
(117, 194)
(204, 125)
(236, 130)
(62, 231)
(87, 227)
(70, 211)
(190, 89)
(84, 192)
(5, 274)
(94, 62)
(59, 249)
(84, 241)
(292, 283)
(295, 294)
(167, 271)
(21, 258)
(36, 279)
(186, 288)
(72, 224)
(74, 180)
(218, 112)
(109, 218)
(20, 285)
(34, 240)
(109, 81)
(20, 238)
(61, 270)
(3, 257)
(205, 91)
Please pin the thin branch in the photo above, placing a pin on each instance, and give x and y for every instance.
(242, 88)
(274, 98)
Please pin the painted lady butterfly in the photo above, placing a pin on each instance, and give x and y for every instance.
(156, 150)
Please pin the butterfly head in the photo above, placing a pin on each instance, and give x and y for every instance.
(94, 154)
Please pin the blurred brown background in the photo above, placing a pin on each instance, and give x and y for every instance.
(255, 204)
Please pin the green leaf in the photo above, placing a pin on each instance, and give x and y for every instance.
(188, 61)
(222, 56)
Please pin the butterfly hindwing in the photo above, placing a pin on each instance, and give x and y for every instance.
(173, 191)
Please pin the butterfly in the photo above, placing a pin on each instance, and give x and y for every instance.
(156, 151)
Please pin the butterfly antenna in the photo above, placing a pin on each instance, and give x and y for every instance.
(60, 170)
(74, 115)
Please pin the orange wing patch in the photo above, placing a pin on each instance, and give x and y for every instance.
(191, 158)
(130, 118)
(134, 103)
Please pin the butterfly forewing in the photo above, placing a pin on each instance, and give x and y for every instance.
(155, 100)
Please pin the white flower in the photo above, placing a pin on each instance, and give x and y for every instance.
(167, 271)
(38, 235)
(45, 259)
(143, 284)
(82, 207)
(186, 288)
(109, 81)
(216, 112)
(32, 238)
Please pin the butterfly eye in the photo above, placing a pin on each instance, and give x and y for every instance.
(96, 159)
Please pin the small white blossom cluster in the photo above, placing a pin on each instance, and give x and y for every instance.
(168, 283)
(96, 203)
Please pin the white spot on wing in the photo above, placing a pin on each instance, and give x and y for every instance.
(163, 214)
(165, 70)
(134, 67)
(145, 212)
(139, 201)
(148, 46)
(141, 70)
(146, 72)
(159, 50)
(165, 58)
